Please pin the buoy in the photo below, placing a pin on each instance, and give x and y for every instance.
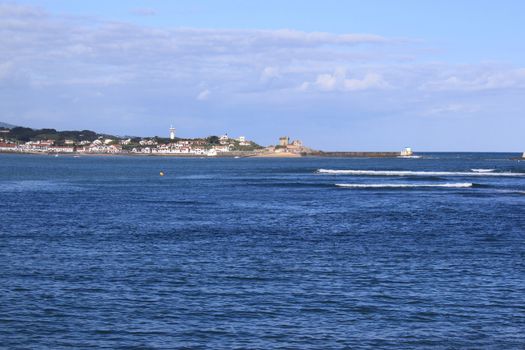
(161, 173)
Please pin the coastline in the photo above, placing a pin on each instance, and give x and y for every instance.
(278, 155)
(258, 155)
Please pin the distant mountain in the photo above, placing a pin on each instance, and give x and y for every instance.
(8, 126)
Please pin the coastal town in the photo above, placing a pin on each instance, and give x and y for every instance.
(14, 139)
(49, 141)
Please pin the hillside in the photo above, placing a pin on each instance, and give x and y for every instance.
(73, 137)
(28, 134)
(6, 125)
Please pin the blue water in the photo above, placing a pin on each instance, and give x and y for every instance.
(102, 252)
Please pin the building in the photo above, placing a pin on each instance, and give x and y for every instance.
(225, 148)
(146, 142)
(61, 149)
(6, 146)
(241, 139)
(172, 133)
(407, 152)
(283, 141)
(224, 139)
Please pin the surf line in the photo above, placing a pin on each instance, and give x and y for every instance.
(413, 173)
(446, 185)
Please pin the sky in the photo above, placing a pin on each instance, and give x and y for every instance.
(339, 75)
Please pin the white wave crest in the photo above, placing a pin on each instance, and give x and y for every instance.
(413, 173)
(448, 185)
(482, 170)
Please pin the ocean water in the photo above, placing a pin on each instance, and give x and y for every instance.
(310, 253)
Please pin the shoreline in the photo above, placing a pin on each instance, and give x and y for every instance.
(238, 155)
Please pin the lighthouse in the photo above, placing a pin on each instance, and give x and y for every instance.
(172, 133)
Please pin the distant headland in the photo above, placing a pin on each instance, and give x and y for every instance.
(15, 139)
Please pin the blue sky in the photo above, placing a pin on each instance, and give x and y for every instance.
(346, 75)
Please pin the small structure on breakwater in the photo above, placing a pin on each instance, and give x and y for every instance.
(407, 152)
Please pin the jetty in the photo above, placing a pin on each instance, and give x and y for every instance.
(357, 154)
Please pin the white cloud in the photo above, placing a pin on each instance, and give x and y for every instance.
(338, 81)
(452, 108)
(269, 73)
(479, 80)
(52, 50)
(370, 81)
(326, 82)
(203, 95)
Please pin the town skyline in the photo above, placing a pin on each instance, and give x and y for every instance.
(16, 139)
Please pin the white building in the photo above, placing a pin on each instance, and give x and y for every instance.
(146, 150)
(60, 149)
(407, 152)
(222, 148)
(146, 142)
(172, 133)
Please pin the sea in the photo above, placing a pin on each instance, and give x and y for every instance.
(224, 253)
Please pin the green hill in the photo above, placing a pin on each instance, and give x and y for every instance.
(28, 134)
(6, 125)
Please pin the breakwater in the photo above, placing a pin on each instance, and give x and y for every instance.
(357, 154)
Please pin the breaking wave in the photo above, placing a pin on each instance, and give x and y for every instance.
(449, 185)
(413, 173)
(482, 170)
